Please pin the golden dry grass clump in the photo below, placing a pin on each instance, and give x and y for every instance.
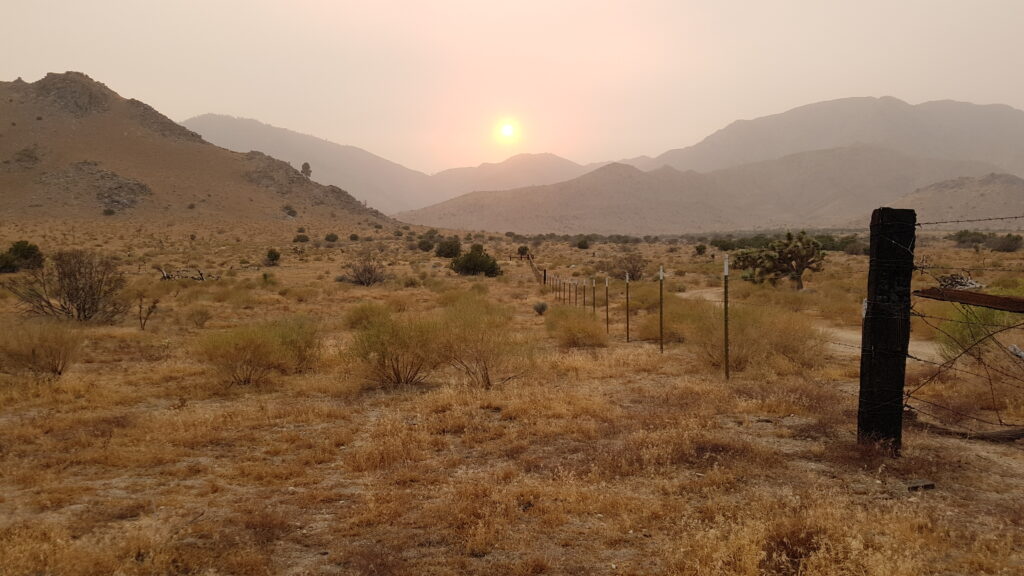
(42, 348)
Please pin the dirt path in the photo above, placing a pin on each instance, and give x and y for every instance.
(843, 340)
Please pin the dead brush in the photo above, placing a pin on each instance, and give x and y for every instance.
(250, 354)
(573, 328)
(394, 351)
(44, 349)
(768, 339)
(479, 342)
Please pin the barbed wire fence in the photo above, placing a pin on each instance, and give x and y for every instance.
(884, 398)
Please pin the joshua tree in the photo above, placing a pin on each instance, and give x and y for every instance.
(786, 258)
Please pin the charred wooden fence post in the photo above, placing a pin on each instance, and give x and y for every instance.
(886, 331)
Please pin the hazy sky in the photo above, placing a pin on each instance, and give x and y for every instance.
(423, 83)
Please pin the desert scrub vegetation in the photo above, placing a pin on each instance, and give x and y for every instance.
(394, 350)
(249, 354)
(44, 349)
(759, 337)
(480, 342)
(73, 284)
(575, 328)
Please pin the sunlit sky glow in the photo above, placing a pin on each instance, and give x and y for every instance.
(424, 83)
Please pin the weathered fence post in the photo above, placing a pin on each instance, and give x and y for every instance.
(584, 292)
(725, 314)
(593, 296)
(661, 308)
(886, 330)
(627, 306)
(545, 276)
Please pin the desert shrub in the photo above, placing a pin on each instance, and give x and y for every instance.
(968, 238)
(250, 354)
(73, 284)
(449, 248)
(476, 262)
(273, 257)
(425, 244)
(300, 342)
(575, 328)
(632, 263)
(1007, 243)
(198, 316)
(540, 308)
(44, 349)
(763, 337)
(398, 351)
(353, 237)
(968, 333)
(523, 250)
(478, 341)
(300, 238)
(365, 314)
(21, 254)
(583, 243)
(367, 269)
(332, 237)
(644, 296)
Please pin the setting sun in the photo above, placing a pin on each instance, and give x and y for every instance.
(507, 131)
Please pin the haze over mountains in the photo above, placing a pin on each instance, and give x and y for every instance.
(815, 166)
(72, 148)
(383, 184)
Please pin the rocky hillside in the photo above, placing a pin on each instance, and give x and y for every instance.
(72, 148)
(967, 198)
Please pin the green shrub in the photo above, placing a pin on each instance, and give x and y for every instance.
(425, 244)
(476, 262)
(449, 248)
(353, 237)
(44, 349)
(332, 237)
(1007, 243)
(540, 308)
(300, 238)
(21, 254)
(273, 257)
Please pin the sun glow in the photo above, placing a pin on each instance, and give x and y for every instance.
(506, 131)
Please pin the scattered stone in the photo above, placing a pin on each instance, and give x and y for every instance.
(920, 484)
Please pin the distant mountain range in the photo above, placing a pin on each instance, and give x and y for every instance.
(383, 184)
(816, 165)
(72, 148)
(823, 188)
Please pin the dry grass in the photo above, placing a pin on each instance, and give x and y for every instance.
(609, 458)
